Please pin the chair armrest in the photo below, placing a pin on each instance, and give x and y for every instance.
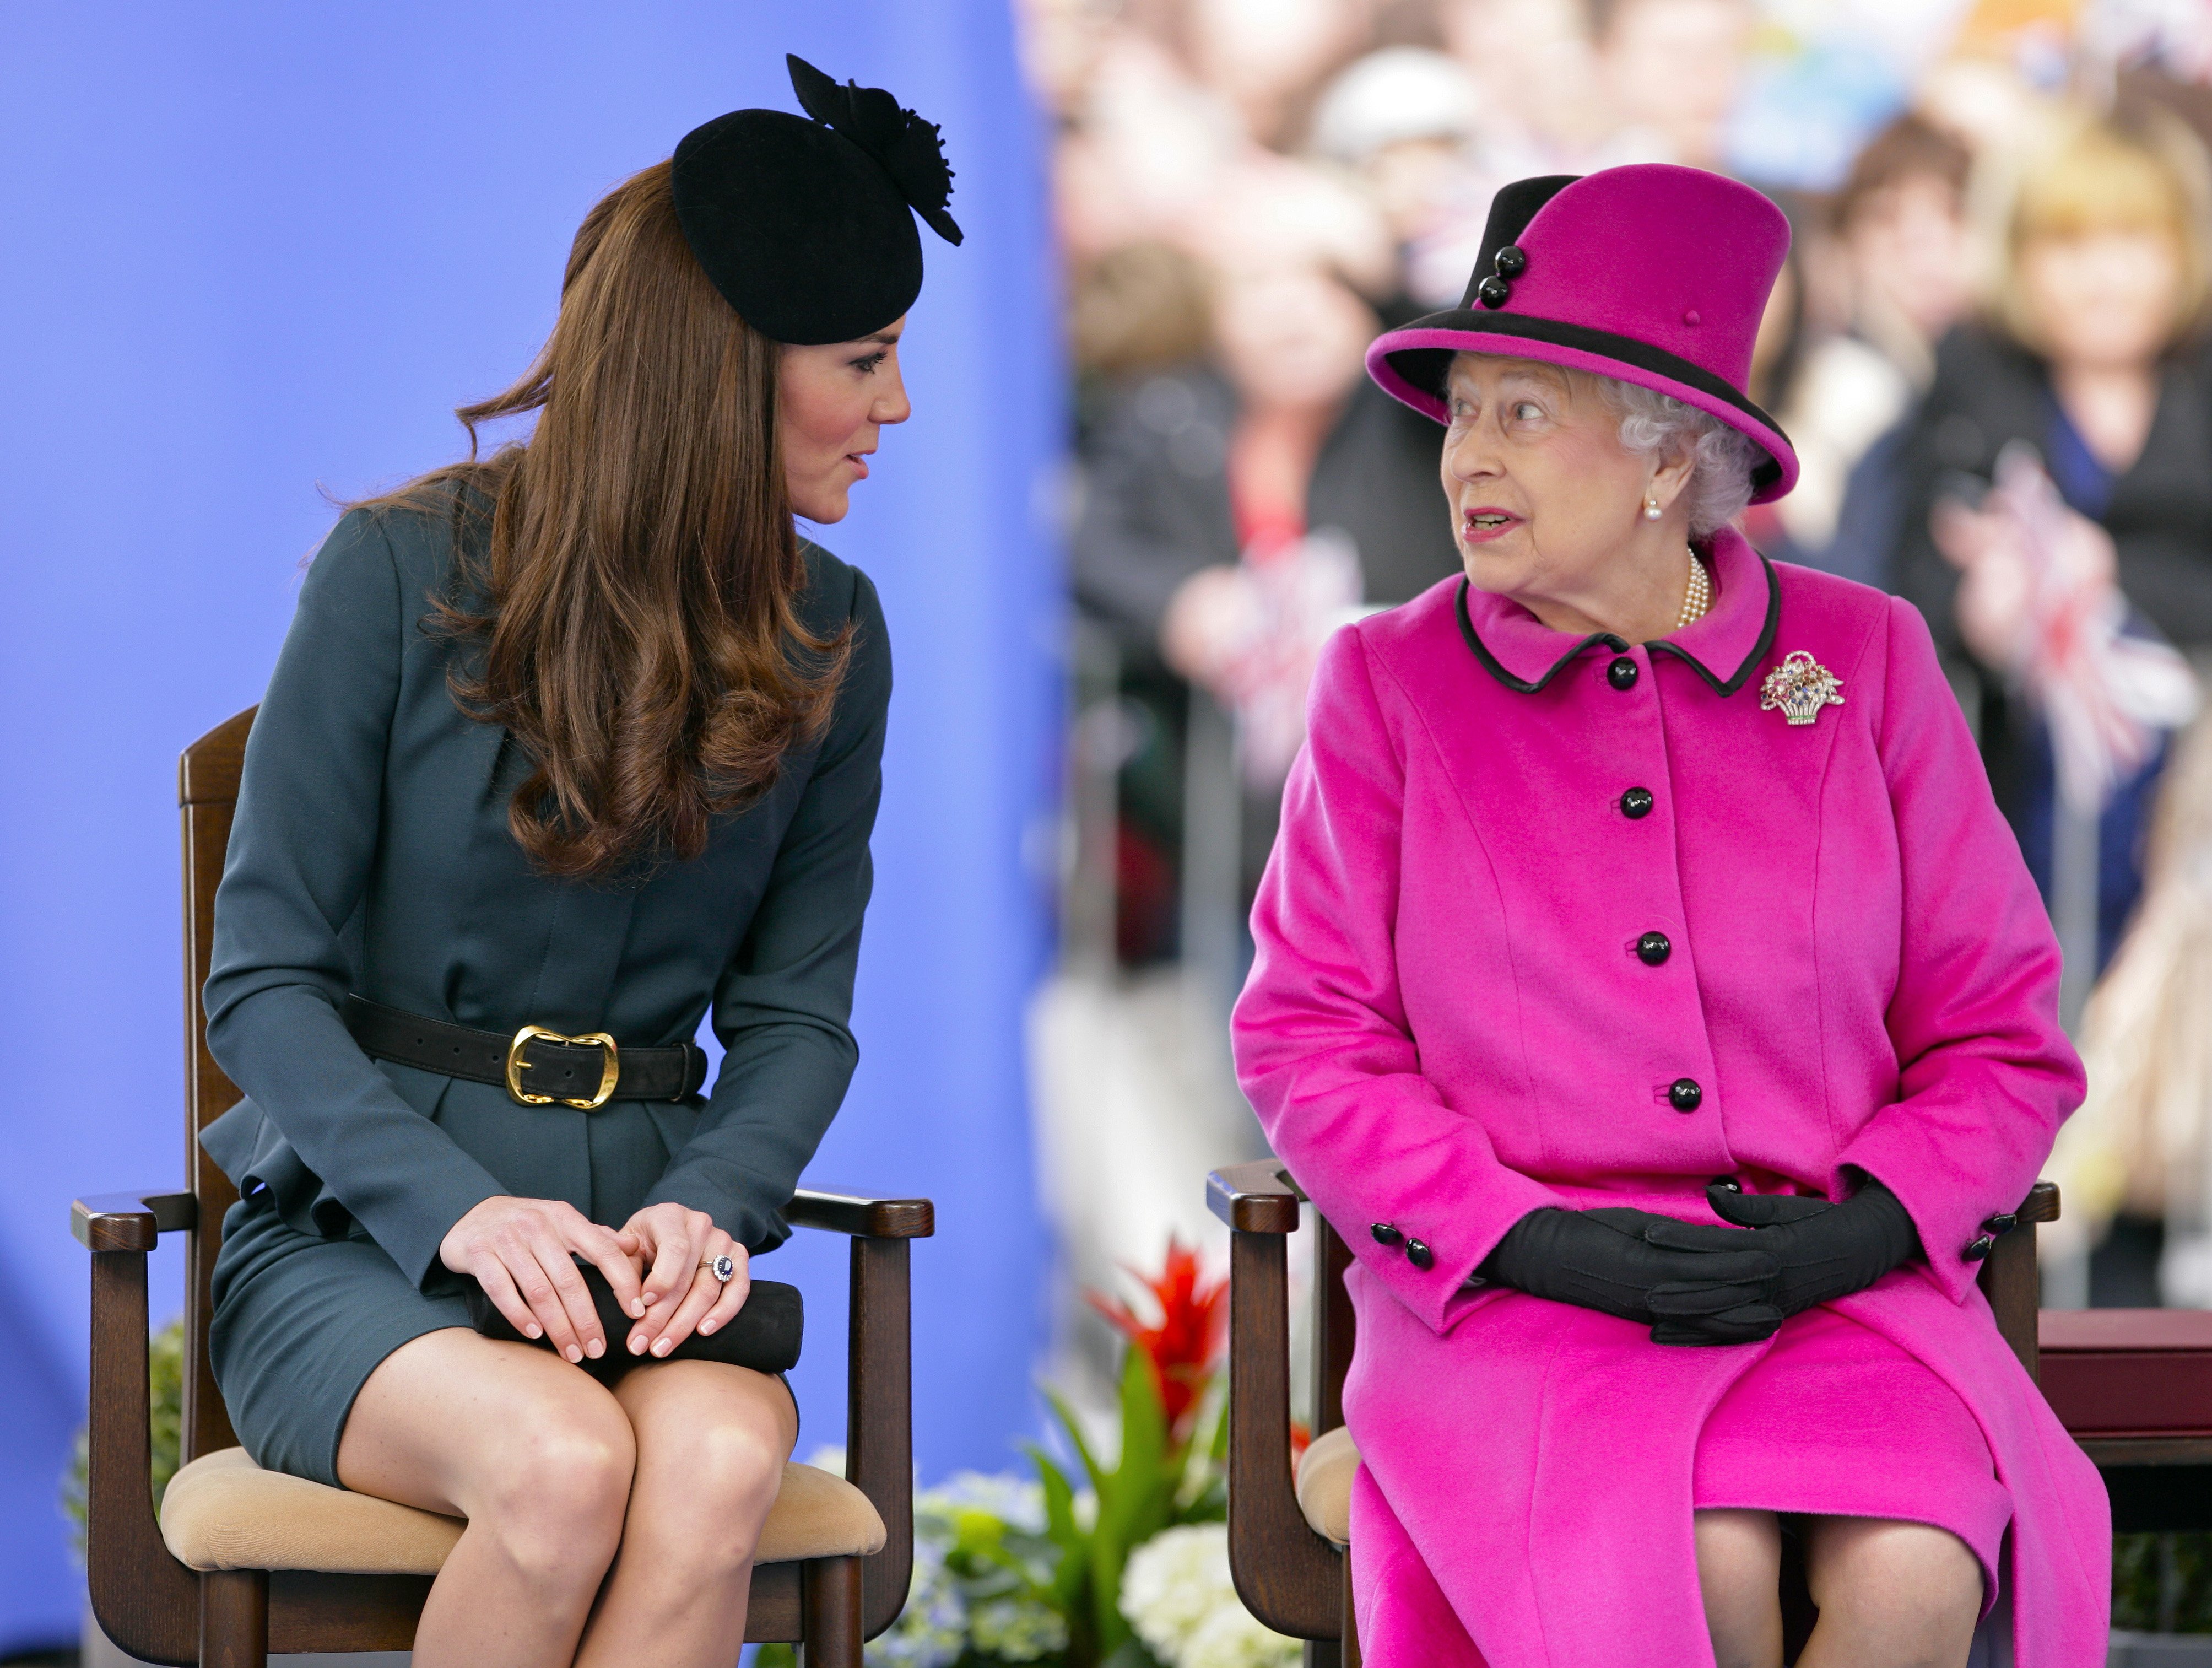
(1255, 1198)
(862, 1217)
(2010, 1279)
(879, 1376)
(146, 1602)
(1287, 1575)
(130, 1221)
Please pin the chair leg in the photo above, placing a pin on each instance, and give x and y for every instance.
(234, 1618)
(829, 1607)
(1349, 1644)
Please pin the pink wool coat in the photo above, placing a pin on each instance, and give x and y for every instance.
(1447, 1026)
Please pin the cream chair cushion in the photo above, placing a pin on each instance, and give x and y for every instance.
(1325, 1472)
(224, 1511)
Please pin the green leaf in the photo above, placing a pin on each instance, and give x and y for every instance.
(1060, 1527)
(1063, 1529)
(1135, 1501)
(1073, 1428)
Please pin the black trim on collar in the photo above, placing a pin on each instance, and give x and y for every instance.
(1426, 368)
(1758, 650)
(1618, 645)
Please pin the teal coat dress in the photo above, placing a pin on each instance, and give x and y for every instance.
(371, 854)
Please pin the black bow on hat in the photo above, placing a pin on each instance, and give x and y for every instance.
(806, 227)
(911, 149)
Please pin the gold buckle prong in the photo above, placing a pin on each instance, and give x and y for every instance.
(516, 1065)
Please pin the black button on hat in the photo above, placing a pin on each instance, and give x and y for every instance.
(2005, 1223)
(1510, 262)
(1636, 804)
(807, 227)
(1653, 949)
(1418, 1254)
(1685, 1095)
(1978, 1249)
(1385, 1235)
(1621, 674)
(1493, 291)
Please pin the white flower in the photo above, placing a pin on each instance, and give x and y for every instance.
(1015, 1502)
(1232, 1637)
(931, 1632)
(1017, 1630)
(1177, 1594)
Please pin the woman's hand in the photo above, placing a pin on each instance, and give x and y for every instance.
(681, 1293)
(1612, 1259)
(1823, 1250)
(523, 1253)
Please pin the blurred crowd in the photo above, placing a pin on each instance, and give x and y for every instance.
(1988, 346)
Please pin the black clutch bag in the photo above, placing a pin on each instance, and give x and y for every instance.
(764, 1335)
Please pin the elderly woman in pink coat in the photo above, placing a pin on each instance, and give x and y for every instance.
(1648, 986)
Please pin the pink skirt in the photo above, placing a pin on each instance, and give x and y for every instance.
(1837, 1421)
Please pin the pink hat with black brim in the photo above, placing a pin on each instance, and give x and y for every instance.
(1651, 274)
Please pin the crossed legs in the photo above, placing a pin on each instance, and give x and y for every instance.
(625, 1520)
(1891, 1594)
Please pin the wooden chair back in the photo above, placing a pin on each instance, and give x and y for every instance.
(207, 797)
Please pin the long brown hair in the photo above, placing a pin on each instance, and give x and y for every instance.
(636, 558)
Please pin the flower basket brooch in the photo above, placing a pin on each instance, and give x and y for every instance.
(1800, 686)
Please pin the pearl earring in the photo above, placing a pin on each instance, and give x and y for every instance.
(1651, 510)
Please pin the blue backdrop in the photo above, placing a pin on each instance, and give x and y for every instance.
(258, 249)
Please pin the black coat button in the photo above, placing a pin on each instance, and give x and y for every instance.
(1510, 262)
(1493, 291)
(1653, 949)
(1418, 1254)
(1727, 1184)
(1636, 804)
(2003, 1224)
(1385, 1235)
(1621, 674)
(1684, 1094)
(1978, 1249)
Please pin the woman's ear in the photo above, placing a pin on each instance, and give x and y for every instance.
(1671, 479)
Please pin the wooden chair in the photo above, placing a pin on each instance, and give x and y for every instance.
(1288, 1530)
(242, 1562)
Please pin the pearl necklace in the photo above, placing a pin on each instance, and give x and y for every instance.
(1699, 596)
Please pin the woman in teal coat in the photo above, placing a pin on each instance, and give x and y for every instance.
(581, 737)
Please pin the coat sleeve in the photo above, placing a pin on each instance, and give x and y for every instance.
(783, 1006)
(1986, 1074)
(302, 845)
(1324, 1048)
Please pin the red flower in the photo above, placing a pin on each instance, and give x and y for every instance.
(1184, 1346)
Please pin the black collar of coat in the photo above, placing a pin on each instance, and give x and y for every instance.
(1723, 648)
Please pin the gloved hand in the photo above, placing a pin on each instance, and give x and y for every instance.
(1823, 1250)
(1611, 1260)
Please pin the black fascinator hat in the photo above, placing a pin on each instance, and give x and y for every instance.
(807, 227)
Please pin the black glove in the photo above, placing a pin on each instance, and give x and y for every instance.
(1824, 1250)
(1611, 1260)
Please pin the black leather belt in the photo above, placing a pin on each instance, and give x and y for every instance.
(536, 1066)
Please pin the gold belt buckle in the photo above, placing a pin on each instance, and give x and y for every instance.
(516, 1065)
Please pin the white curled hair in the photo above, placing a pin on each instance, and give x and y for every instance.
(1656, 425)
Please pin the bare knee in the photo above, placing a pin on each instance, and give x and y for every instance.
(731, 1471)
(1909, 1592)
(554, 1488)
(1740, 1579)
